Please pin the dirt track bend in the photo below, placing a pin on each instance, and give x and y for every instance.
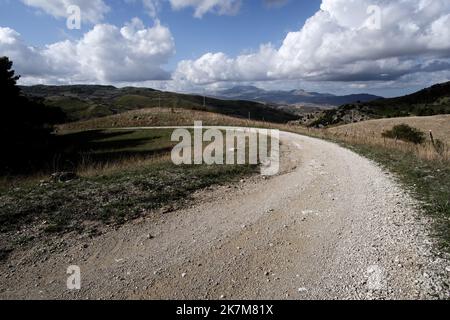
(332, 226)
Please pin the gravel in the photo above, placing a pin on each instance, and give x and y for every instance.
(333, 225)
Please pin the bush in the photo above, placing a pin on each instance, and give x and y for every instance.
(405, 133)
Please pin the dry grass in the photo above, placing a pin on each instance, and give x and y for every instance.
(370, 133)
(89, 169)
(367, 132)
(157, 117)
(440, 125)
(425, 151)
(11, 182)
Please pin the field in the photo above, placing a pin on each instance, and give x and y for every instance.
(158, 117)
(119, 176)
(367, 132)
(439, 125)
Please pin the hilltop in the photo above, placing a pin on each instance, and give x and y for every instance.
(431, 101)
(85, 102)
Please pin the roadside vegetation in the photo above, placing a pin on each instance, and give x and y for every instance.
(405, 133)
(104, 177)
(428, 180)
(421, 164)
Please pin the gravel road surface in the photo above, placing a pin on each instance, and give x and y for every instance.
(333, 225)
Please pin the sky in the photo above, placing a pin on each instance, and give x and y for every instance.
(384, 47)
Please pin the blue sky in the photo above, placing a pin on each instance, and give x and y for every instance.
(255, 24)
(386, 47)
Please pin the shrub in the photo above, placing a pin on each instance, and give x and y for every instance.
(405, 133)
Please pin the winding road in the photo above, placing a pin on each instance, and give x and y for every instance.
(333, 225)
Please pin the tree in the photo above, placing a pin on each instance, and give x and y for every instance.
(25, 125)
(8, 80)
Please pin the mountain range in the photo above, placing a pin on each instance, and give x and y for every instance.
(293, 97)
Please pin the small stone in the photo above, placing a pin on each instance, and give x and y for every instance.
(183, 275)
(447, 269)
(302, 290)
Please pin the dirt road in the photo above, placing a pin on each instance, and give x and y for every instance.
(332, 226)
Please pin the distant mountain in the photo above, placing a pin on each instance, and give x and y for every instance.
(83, 102)
(252, 93)
(427, 102)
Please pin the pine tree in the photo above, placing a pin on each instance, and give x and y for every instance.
(25, 125)
(8, 80)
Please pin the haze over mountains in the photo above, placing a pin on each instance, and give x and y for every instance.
(293, 97)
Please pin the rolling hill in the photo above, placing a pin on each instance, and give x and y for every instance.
(439, 125)
(84, 102)
(431, 101)
(293, 97)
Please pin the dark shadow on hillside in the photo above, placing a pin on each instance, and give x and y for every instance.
(100, 147)
(99, 140)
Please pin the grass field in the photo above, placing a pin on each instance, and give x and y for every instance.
(439, 125)
(121, 175)
(157, 117)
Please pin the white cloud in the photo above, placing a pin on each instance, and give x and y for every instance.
(91, 10)
(106, 54)
(201, 7)
(152, 7)
(339, 44)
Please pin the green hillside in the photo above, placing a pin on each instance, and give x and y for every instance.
(83, 102)
(431, 101)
